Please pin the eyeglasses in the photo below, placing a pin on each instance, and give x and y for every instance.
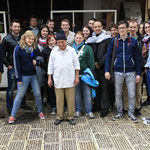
(122, 28)
(148, 27)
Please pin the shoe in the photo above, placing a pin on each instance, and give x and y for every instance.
(72, 121)
(133, 118)
(137, 112)
(42, 116)
(26, 107)
(146, 103)
(146, 118)
(146, 122)
(2, 115)
(57, 122)
(118, 116)
(77, 114)
(11, 119)
(53, 112)
(44, 100)
(90, 115)
(104, 113)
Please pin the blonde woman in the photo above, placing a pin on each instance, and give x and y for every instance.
(24, 65)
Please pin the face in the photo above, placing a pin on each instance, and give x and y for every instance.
(33, 22)
(50, 26)
(122, 29)
(62, 44)
(44, 33)
(52, 42)
(86, 32)
(147, 28)
(98, 27)
(91, 24)
(114, 32)
(133, 28)
(29, 41)
(141, 29)
(65, 26)
(15, 28)
(79, 39)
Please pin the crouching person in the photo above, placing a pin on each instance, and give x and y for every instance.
(24, 64)
(64, 67)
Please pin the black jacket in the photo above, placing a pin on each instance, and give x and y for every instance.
(1, 58)
(100, 50)
(8, 44)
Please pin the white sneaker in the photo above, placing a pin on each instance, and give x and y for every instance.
(133, 118)
(146, 122)
(91, 115)
(77, 114)
(146, 118)
(118, 116)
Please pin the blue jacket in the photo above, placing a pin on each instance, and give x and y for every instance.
(89, 79)
(23, 62)
(127, 56)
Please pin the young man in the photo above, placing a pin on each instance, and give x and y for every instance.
(64, 67)
(50, 23)
(127, 66)
(99, 42)
(8, 44)
(133, 32)
(91, 23)
(113, 30)
(65, 26)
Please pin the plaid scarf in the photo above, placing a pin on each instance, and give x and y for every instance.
(146, 46)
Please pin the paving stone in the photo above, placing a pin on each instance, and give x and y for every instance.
(51, 146)
(113, 129)
(38, 124)
(96, 122)
(88, 146)
(51, 137)
(82, 127)
(20, 135)
(68, 134)
(16, 145)
(36, 134)
(142, 147)
(145, 134)
(4, 139)
(23, 127)
(8, 129)
(99, 129)
(84, 136)
(50, 127)
(34, 145)
(69, 145)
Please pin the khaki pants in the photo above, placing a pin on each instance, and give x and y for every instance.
(69, 93)
(0, 77)
(138, 95)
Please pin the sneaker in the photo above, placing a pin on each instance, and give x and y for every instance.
(42, 116)
(90, 115)
(53, 112)
(133, 118)
(44, 100)
(57, 122)
(11, 119)
(146, 118)
(118, 116)
(77, 114)
(146, 122)
(72, 121)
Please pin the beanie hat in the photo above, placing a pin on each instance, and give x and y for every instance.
(60, 35)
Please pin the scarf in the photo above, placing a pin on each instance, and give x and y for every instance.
(146, 46)
(97, 39)
(76, 47)
(41, 44)
(27, 49)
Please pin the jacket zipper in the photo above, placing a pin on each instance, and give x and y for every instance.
(124, 56)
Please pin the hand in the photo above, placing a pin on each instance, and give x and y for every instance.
(34, 62)
(19, 83)
(10, 67)
(50, 82)
(107, 75)
(137, 78)
(96, 66)
(76, 82)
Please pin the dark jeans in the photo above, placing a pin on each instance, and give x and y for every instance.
(11, 88)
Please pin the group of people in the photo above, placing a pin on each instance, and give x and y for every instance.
(63, 68)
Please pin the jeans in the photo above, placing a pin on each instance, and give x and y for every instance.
(148, 81)
(130, 82)
(22, 89)
(11, 87)
(83, 89)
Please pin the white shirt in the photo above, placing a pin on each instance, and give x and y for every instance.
(62, 65)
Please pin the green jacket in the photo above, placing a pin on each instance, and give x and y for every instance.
(86, 58)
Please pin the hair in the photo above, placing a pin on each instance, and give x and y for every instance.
(145, 23)
(113, 25)
(41, 28)
(99, 21)
(33, 16)
(133, 21)
(79, 32)
(92, 19)
(123, 22)
(16, 21)
(49, 20)
(27, 34)
(65, 20)
(90, 29)
(142, 23)
(49, 37)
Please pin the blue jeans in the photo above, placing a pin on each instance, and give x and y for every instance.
(82, 89)
(22, 89)
(130, 82)
(11, 87)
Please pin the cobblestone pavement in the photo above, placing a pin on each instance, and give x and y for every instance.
(30, 133)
